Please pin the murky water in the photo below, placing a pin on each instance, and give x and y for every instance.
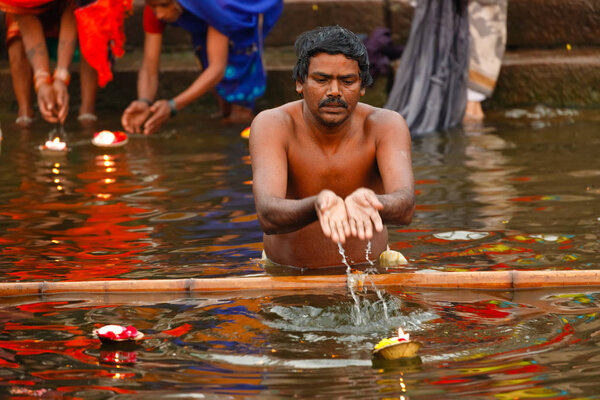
(519, 193)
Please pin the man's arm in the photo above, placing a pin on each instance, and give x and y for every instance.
(276, 214)
(395, 166)
(268, 153)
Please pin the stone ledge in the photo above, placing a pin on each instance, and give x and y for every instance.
(553, 23)
(530, 23)
(556, 78)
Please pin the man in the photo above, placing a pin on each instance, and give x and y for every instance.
(328, 169)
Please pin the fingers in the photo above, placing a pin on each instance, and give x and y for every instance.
(353, 227)
(325, 226)
(63, 109)
(134, 116)
(126, 119)
(47, 111)
(332, 215)
(362, 229)
(62, 100)
(339, 230)
(374, 202)
(160, 113)
(363, 210)
(152, 125)
(377, 221)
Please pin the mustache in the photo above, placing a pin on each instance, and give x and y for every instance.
(333, 100)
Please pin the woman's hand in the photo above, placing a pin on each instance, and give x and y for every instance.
(47, 102)
(363, 208)
(332, 216)
(160, 111)
(61, 94)
(135, 115)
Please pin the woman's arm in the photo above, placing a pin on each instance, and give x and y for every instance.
(217, 47)
(37, 53)
(67, 40)
(147, 84)
(138, 111)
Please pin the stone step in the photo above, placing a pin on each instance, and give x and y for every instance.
(556, 78)
(530, 23)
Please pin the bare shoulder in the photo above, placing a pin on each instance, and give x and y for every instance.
(382, 121)
(277, 120)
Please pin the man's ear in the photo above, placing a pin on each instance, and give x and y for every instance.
(362, 91)
(299, 87)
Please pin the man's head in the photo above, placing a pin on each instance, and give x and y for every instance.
(331, 73)
(331, 40)
(165, 10)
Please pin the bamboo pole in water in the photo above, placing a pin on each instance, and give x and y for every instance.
(505, 280)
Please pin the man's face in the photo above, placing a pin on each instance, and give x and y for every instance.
(165, 10)
(332, 88)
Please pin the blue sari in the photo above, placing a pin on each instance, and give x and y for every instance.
(246, 26)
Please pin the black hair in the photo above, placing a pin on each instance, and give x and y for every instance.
(331, 40)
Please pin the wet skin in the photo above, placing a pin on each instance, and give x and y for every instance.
(328, 169)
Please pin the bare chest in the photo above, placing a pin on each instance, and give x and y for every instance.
(343, 169)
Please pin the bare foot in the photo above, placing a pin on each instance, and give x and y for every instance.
(239, 115)
(87, 119)
(24, 121)
(473, 113)
(224, 107)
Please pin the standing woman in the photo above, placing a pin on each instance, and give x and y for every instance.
(51, 88)
(228, 41)
(95, 25)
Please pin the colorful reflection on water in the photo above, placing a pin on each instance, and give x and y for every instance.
(475, 345)
(511, 194)
(515, 194)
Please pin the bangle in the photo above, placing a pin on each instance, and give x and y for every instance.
(173, 107)
(40, 77)
(145, 100)
(62, 74)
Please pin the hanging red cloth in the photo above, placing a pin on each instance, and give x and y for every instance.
(101, 34)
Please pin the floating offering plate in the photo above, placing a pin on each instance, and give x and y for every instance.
(397, 347)
(110, 334)
(110, 139)
(54, 147)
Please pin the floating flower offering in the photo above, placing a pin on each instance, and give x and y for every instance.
(110, 139)
(55, 145)
(118, 333)
(397, 347)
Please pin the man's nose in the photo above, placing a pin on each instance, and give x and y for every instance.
(334, 88)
